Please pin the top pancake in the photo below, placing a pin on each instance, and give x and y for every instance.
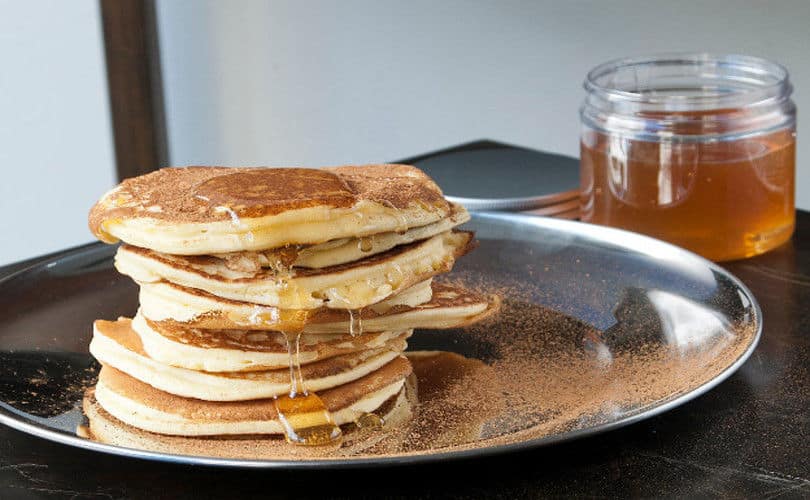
(207, 210)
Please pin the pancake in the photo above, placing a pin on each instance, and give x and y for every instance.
(342, 251)
(348, 286)
(141, 405)
(245, 350)
(117, 345)
(164, 301)
(448, 307)
(396, 413)
(453, 308)
(210, 210)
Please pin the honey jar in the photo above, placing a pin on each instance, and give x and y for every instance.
(695, 149)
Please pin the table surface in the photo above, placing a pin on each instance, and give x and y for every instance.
(746, 438)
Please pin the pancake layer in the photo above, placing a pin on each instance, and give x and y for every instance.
(337, 252)
(446, 306)
(210, 210)
(246, 350)
(396, 412)
(117, 345)
(164, 301)
(350, 286)
(145, 407)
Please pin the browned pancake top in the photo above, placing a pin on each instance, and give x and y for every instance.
(335, 399)
(209, 194)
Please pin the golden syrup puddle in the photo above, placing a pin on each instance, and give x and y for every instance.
(369, 421)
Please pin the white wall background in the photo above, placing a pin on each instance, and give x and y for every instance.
(56, 151)
(326, 82)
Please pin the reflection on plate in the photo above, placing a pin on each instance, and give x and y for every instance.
(599, 328)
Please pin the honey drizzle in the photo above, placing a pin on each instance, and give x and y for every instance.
(296, 377)
(402, 220)
(369, 421)
(355, 322)
(303, 415)
(282, 260)
(235, 220)
(247, 234)
(366, 244)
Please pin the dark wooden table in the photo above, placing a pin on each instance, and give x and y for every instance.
(747, 438)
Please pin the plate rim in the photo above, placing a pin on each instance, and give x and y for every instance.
(612, 235)
(507, 204)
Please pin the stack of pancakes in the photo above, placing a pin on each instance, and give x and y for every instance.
(259, 285)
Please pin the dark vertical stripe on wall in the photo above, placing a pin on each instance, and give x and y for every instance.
(135, 87)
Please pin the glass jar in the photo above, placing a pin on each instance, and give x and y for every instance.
(695, 149)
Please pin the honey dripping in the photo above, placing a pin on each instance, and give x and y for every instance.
(395, 276)
(355, 322)
(366, 244)
(402, 219)
(402, 222)
(247, 234)
(369, 421)
(282, 259)
(365, 420)
(105, 235)
(302, 414)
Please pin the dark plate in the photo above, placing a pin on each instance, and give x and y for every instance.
(492, 176)
(600, 328)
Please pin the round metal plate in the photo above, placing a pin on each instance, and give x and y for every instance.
(508, 179)
(559, 208)
(636, 296)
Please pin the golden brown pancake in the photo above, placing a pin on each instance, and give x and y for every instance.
(141, 405)
(340, 251)
(246, 350)
(116, 344)
(346, 286)
(449, 307)
(208, 210)
(396, 412)
(166, 301)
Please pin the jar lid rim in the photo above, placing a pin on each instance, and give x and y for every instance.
(778, 75)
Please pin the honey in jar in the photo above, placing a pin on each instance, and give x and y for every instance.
(694, 149)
